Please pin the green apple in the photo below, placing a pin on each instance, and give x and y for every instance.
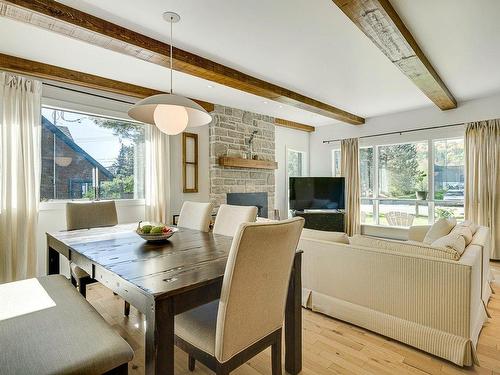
(157, 230)
(146, 229)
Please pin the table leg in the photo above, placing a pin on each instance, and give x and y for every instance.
(160, 339)
(52, 261)
(293, 320)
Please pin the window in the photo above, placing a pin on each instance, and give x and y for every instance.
(90, 157)
(397, 188)
(296, 163)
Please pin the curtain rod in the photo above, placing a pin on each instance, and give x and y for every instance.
(87, 93)
(400, 132)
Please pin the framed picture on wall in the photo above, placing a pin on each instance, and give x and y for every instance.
(190, 162)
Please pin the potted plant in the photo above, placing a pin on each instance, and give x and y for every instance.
(421, 193)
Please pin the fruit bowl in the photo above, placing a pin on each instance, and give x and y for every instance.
(155, 233)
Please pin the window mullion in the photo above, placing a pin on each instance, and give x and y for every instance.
(375, 186)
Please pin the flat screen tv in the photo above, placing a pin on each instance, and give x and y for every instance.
(317, 193)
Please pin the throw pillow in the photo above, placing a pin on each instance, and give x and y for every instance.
(468, 223)
(465, 232)
(451, 241)
(440, 228)
(325, 236)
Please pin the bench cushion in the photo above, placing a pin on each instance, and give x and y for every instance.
(68, 338)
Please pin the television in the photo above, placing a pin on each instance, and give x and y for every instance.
(317, 193)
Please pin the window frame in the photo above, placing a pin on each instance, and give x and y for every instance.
(429, 136)
(88, 110)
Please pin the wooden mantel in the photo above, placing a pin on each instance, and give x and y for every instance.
(231, 162)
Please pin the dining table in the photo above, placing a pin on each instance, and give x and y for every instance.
(163, 279)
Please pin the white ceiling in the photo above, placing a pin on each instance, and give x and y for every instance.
(308, 46)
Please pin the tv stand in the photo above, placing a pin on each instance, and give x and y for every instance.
(327, 220)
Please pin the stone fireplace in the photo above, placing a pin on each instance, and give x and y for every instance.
(229, 134)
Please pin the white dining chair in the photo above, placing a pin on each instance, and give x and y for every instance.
(86, 215)
(249, 316)
(229, 218)
(195, 215)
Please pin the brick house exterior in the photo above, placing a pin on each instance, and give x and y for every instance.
(73, 168)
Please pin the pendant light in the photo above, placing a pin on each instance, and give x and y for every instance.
(169, 112)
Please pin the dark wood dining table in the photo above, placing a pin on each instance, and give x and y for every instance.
(165, 279)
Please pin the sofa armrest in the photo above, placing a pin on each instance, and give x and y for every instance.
(418, 232)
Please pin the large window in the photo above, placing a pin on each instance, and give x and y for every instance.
(412, 183)
(90, 157)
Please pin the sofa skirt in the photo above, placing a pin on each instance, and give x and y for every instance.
(459, 350)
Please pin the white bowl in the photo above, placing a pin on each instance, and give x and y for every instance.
(157, 237)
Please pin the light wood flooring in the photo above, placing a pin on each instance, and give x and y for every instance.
(330, 346)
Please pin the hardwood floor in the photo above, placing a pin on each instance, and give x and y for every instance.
(330, 346)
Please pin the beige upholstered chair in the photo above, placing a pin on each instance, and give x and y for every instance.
(230, 217)
(249, 316)
(86, 215)
(195, 215)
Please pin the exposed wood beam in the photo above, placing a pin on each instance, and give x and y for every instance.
(293, 125)
(54, 16)
(380, 22)
(54, 73)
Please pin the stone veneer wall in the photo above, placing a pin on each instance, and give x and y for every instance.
(229, 134)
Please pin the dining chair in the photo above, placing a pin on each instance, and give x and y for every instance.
(249, 315)
(195, 215)
(229, 217)
(86, 215)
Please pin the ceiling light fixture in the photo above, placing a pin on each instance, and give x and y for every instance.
(169, 112)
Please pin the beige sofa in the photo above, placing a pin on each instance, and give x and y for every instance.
(436, 305)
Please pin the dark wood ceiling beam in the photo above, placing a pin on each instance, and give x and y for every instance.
(54, 73)
(57, 74)
(293, 125)
(380, 22)
(54, 16)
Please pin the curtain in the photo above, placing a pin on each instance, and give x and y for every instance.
(20, 159)
(482, 178)
(349, 168)
(157, 176)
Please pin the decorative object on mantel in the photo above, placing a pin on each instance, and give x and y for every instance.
(250, 143)
(190, 162)
(226, 161)
(169, 112)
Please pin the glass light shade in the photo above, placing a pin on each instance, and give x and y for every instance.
(170, 119)
(145, 110)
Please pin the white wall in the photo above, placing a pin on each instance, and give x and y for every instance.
(177, 197)
(287, 139)
(473, 110)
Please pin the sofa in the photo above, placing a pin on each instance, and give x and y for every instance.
(435, 304)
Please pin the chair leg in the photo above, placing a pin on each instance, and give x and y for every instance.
(126, 309)
(222, 369)
(191, 362)
(276, 356)
(73, 281)
(82, 286)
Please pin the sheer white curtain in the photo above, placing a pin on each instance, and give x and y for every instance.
(157, 184)
(349, 168)
(482, 178)
(20, 159)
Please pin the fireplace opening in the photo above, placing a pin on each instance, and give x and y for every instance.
(258, 200)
